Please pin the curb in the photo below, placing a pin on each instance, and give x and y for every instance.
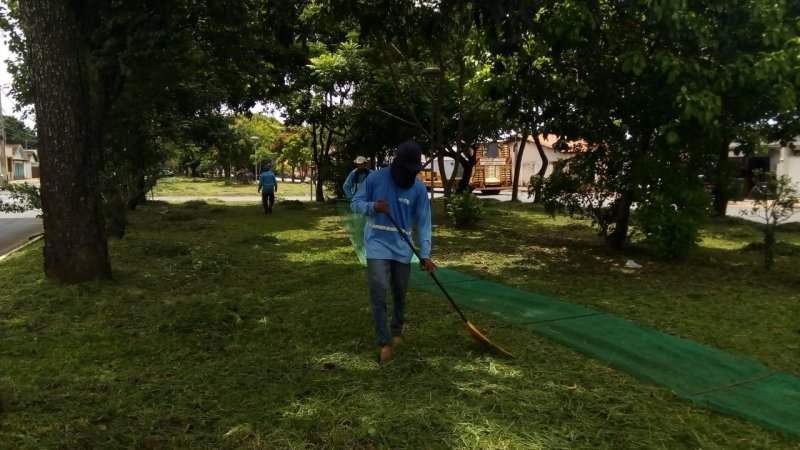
(31, 241)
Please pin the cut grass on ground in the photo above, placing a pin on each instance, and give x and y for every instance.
(228, 329)
(203, 187)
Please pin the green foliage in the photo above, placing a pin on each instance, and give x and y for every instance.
(774, 205)
(671, 221)
(19, 133)
(295, 149)
(21, 197)
(255, 137)
(320, 91)
(465, 209)
(335, 173)
(584, 187)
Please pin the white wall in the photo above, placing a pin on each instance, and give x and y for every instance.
(784, 162)
(532, 162)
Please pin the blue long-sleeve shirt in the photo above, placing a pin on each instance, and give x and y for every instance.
(381, 239)
(355, 178)
(267, 182)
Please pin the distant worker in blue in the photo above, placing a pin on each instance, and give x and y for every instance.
(267, 186)
(396, 190)
(356, 178)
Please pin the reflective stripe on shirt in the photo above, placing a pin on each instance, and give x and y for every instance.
(383, 227)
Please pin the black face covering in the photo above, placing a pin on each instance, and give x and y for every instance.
(363, 171)
(402, 177)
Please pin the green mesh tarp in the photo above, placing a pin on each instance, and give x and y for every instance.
(773, 402)
(511, 305)
(731, 384)
(658, 358)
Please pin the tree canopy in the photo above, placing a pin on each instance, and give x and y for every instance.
(655, 90)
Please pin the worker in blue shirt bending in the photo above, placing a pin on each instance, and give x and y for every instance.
(356, 178)
(395, 190)
(267, 186)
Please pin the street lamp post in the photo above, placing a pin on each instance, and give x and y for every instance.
(255, 154)
(4, 176)
(432, 72)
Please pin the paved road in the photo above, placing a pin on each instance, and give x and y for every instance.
(230, 199)
(15, 229)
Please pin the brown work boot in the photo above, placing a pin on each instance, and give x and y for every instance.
(398, 340)
(385, 355)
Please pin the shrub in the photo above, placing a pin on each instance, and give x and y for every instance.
(671, 226)
(774, 205)
(465, 209)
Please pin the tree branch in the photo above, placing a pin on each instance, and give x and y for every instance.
(396, 83)
(412, 73)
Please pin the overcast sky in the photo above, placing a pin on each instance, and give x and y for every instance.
(5, 83)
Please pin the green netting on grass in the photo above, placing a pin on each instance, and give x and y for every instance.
(773, 402)
(731, 384)
(511, 305)
(682, 366)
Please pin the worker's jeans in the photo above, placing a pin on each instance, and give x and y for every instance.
(267, 200)
(386, 274)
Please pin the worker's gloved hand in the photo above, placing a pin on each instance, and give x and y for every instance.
(381, 206)
(428, 266)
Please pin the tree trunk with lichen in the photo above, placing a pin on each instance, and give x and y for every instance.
(518, 168)
(70, 140)
(537, 196)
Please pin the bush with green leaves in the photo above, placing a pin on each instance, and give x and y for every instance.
(465, 209)
(774, 205)
(583, 187)
(670, 220)
(335, 173)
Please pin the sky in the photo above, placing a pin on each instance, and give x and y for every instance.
(5, 84)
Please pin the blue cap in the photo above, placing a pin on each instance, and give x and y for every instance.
(409, 154)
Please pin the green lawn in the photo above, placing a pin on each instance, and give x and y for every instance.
(228, 329)
(203, 187)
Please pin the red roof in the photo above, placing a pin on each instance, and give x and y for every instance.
(552, 141)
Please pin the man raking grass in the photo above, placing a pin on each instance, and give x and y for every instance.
(398, 191)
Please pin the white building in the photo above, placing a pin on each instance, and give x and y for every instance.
(532, 161)
(18, 162)
(779, 160)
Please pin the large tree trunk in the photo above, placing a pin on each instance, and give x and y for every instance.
(140, 183)
(70, 139)
(116, 210)
(518, 168)
(468, 163)
(616, 240)
(141, 191)
(721, 192)
(320, 193)
(537, 195)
